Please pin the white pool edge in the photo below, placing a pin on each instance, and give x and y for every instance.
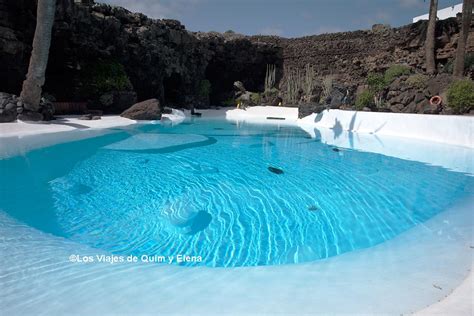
(454, 303)
(455, 130)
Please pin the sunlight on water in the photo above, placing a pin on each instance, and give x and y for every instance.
(234, 195)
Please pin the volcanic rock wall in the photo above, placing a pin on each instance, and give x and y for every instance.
(161, 58)
(164, 60)
(350, 56)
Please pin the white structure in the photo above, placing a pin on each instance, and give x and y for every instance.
(442, 14)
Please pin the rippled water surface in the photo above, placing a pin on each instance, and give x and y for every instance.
(236, 195)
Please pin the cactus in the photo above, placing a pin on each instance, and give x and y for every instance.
(270, 77)
(327, 87)
(298, 81)
(309, 80)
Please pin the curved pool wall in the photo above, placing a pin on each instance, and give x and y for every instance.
(363, 281)
(407, 136)
(448, 129)
(153, 189)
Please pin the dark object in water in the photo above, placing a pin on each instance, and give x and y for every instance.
(313, 208)
(199, 222)
(275, 170)
(146, 161)
(195, 113)
(275, 118)
(218, 128)
(336, 149)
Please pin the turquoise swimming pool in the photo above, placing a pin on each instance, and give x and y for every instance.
(224, 194)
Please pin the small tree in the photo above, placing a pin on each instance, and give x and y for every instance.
(377, 84)
(32, 86)
(461, 50)
(430, 38)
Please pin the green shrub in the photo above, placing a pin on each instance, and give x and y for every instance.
(273, 92)
(255, 97)
(204, 88)
(461, 95)
(448, 67)
(396, 71)
(365, 99)
(104, 76)
(376, 82)
(417, 81)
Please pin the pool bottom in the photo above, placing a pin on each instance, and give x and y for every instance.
(159, 199)
(402, 275)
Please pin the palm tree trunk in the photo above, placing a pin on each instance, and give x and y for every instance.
(430, 38)
(461, 50)
(31, 90)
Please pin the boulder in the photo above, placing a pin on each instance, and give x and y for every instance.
(437, 85)
(309, 108)
(28, 107)
(7, 116)
(276, 101)
(7, 107)
(145, 110)
(30, 116)
(336, 98)
(10, 106)
(46, 108)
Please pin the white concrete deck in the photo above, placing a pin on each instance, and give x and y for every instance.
(61, 124)
(262, 113)
(20, 137)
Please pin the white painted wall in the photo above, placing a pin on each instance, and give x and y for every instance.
(417, 137)
(260, 113)
(449, 129)
(442, 14)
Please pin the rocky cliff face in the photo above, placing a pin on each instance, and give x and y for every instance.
(164, 60)
(161, 58)
(350, 56)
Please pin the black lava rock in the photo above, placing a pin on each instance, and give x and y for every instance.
(275, 170)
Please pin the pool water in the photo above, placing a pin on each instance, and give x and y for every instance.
(232, 194)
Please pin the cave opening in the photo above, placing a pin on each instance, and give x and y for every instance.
(222, 71)
(172, 90)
